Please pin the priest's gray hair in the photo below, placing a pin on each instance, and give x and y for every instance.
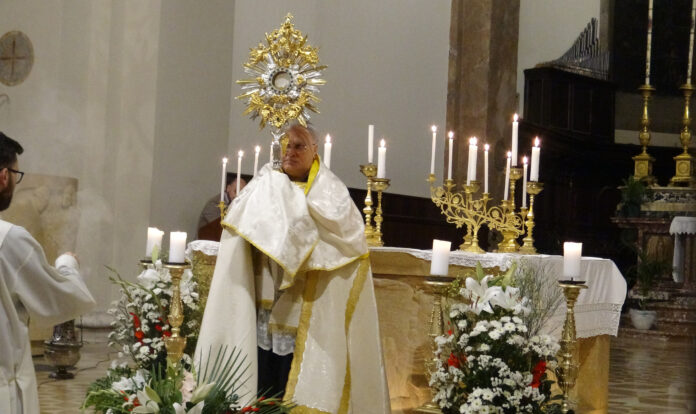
(298, 129)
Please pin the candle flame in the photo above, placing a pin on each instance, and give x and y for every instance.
(473, 141)
(433, 128)
(224, 160)
(450, 134)
(257, 149)
(524, 160)
(240, 153)
(509, 154)
(515, 118)
(382, 144)
(536, 141)
(328, 138)
(486, 147)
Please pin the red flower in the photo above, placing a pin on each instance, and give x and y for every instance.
(136, 320)
(158, 328)
(167, 333)
(449, 332)
(453, 361)
(537, 372)
(139, 335)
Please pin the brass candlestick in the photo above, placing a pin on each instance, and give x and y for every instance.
(567, 370)
(176, 343)
(510, 234)
(643, 162)
(223, 209)
(145, 263)
(685, 162)
(369, 171)
(380, 184)
(533, 188)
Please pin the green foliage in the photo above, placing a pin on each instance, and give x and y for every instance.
(646, 273)
(102, 397)
(633, 193)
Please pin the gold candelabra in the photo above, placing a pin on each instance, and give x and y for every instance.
(373, 233)
(533, 188)
(223, 209)
(176, 343)
(684, 174)
(567, 369)
(462, 209)
(643, 162)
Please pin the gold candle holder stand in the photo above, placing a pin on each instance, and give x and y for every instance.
(223, 209)
(567, 369)
(369, 171)
(684, 175)
(510, 234)
(145, 262)
(380, 185)
(643, 162)
(438, 286)
(176, 343)
(533, 188)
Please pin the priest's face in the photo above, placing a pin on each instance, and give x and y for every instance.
(7, 180)
(299, 153)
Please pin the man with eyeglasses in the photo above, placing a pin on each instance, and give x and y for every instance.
(293, 278)
(29, 287)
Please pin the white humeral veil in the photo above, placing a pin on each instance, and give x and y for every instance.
(309, 245)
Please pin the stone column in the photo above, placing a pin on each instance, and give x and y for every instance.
(481, 92)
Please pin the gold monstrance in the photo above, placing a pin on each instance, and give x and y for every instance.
(285, 78)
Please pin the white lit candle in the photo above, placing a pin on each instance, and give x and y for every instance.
(572, 253)
(439, 264)
(524, 182)
(154, 238)
(534, 170)
(222, 181)
(691, 42)
(486, 147)
(451, 149)
(471, 168)
(370, 142)
(432, 157)
(327, 151)
(649, 42)
(177, 246)
(507, 176)
(382, 160)
(257, 150)
(515, 126)
(239, 169)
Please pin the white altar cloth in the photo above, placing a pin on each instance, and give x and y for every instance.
(598, 309)
(680, 225)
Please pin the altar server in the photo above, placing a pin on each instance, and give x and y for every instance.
(293, 278)
(29, 287)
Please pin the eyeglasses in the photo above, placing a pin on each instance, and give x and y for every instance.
(20, 175)
(297, 148)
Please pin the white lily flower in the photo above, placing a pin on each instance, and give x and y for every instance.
(480, 294)
(201, 392)
(197, 409)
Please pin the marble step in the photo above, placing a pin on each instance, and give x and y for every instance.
(627, 331)
(664, 325)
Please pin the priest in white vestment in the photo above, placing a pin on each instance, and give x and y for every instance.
(293, 278)
(29, 287)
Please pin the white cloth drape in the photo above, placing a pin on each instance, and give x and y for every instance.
(680, 226)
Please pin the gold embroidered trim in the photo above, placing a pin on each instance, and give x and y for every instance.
(286, 329)
(265, 304)
(308, 298)
(303, 409)
(331, 269)
(312, 174)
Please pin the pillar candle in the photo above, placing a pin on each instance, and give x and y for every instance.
(154, 238)
(471, 168)
(572, 253)
(370, 142)
(649, 42)
(534, 171)
(239, 169)
(486, 147)
(432, 157)
(515, 126)
(177, 246)
(257, 150)
(691, 42)
(524, 182)
(327, 151)
(451, 149)
(382, 160)
(439, 264)
(222, 181)
(507, 176)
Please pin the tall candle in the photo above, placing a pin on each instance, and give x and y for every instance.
(649, 42)
(239, 170)
(432, 156)
(486, 147)
(327, 151)
(439, 264)
(177, 246)
(507, 176)
(154, 238)
(691, 42)
(572, 253)
(524, 182)
(222, 181)
(382, 160)
(534, 172)
(257, 150)
(451, 149)
(471, 170)
(370, 142)
(515, 126)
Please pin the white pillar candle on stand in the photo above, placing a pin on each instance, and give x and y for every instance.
(439, 264)
(649, 43)
(524, 182)
(327, 151)
(534, 170)
(572, 253)
(515, 126)
(691, 42)
(382, 160)
(432, 157)
(177, 247)
(370, 142)
(224, 179)
(451, 149)
(239, 169)
(507, 176)
(257, 150)
(471, 167)
(154, 238)
(486, 147)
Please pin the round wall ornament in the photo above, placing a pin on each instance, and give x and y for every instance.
(16, 57)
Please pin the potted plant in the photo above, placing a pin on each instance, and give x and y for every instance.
(647, 273)
(633, 193)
